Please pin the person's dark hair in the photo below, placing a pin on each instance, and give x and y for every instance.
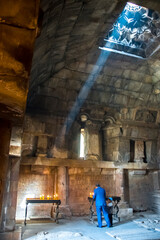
(97, 185)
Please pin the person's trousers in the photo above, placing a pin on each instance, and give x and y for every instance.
(110, 218)
(99, 210)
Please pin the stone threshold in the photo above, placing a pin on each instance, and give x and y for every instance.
(80, 163)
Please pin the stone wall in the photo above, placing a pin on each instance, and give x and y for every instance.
(33, 182)
(107, 139)
(49, 136)
(82, 181)
(74, 179)
(140, 189)
(46, 136)
(118, 95)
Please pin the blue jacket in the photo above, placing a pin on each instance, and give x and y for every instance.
(100, 196)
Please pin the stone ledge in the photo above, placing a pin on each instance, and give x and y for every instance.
(43, 161)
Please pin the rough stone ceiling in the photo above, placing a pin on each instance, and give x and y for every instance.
(67, 55)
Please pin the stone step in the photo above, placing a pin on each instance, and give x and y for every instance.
(125, 213)
(156, 201)
(39, 217)
(123, 205)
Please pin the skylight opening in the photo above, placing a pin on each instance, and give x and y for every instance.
(135, 33)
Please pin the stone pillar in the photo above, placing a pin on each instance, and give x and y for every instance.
(126, 186)
(5, 130)
(42, 146)
(139, 151)
(156, 180)
(111, 142)
(12, 183)
(63, 191)
(116, 146)
(60, 147)
(148, 151)
(122, 190)
(120, 183)
(62, 185)
(92, 141)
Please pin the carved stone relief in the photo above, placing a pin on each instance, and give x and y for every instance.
(146, 116)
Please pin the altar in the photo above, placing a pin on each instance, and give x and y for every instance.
(37, 200)
(116, 200)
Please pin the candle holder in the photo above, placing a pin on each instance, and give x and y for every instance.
(91, 194)
(55, 196)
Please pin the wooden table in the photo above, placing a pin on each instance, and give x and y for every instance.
(34, 200)
(116, 200)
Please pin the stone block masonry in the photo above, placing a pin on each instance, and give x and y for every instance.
(79, 183)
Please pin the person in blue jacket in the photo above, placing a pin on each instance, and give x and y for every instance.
(101, 206)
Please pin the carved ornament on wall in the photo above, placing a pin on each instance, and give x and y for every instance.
(146, 116)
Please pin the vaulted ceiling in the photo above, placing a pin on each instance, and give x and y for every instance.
(69, 70)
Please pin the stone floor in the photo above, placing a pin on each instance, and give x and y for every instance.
(143, 226)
